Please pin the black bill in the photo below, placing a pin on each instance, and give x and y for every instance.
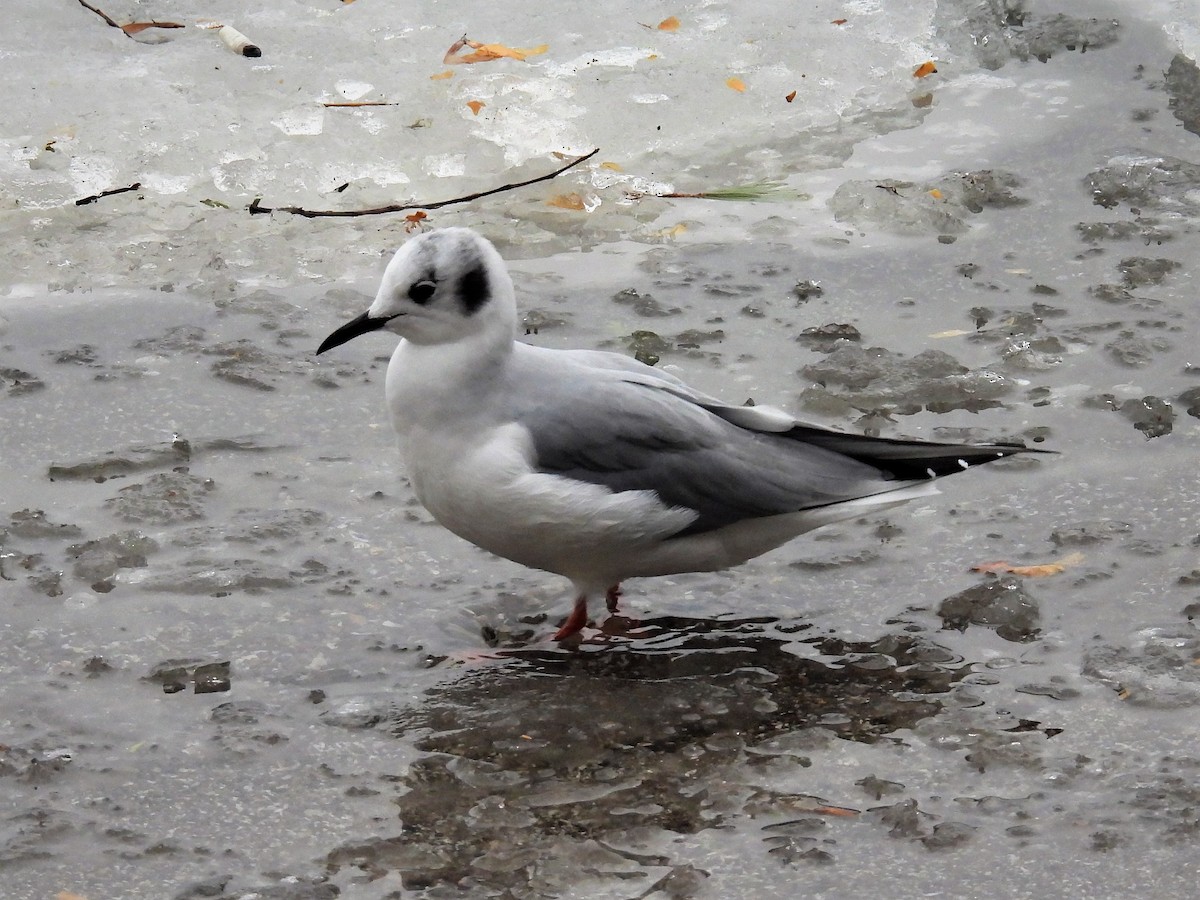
(352, 329)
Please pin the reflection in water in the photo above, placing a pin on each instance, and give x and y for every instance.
(549, 763)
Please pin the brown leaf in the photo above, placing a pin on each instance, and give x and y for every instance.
(476, 105)
(135, 27)
(790, 97)
(736, 84)
(669, 24)
(925, 68)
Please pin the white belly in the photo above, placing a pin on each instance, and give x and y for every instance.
(486, 492)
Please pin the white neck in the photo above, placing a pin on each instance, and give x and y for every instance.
(426, 380)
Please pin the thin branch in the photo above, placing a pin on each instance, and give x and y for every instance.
(358, 103)
(84, 201)
(255, 208)
(101, 13)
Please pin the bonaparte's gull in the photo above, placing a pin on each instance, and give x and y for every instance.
(591, 464)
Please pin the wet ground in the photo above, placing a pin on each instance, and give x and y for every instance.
(240, 660)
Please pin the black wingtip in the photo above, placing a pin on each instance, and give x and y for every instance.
(906, 459)
(352, 329)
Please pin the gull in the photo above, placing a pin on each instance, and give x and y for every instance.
(591, 465)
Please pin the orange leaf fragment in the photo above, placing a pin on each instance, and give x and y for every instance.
(566, 201)
(667, 233)
(935, 194)
(925, 68)
(790, 97)
(669, 24)
(838, 22)
(615, 167)
(476, 105)
(442, 75)
(1038, 571)
(487, 52)
(736, 84)
(136, 27)
(415, 220)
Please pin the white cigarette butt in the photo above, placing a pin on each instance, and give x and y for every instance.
(238, 42)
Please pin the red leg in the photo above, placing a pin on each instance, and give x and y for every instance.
(613, 597)
(575, 621)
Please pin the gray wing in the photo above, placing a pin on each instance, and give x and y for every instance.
(629, 427)
(629, 432)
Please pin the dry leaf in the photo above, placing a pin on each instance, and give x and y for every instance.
(935, 194)
(566, 201)
(672, 232)
(441, 75)
(615, 167)
(838, 22)
(1039, 571)
(736, 84)
(669, 24)
(476, 106)
(488, 52)
(790, 97)
(135, 27)
(415, 221)
(925, 68)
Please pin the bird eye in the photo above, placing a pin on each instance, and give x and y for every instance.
(422, 291)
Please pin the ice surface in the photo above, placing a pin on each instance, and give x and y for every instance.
(205, 132)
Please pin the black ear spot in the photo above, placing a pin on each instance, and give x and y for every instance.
(474, 290)
(421, 291)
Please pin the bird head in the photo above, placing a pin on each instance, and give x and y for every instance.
(441, 287)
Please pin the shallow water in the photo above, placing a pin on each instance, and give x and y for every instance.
(240, 660)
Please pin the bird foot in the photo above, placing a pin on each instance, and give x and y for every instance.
(613, 597)
(575, 621)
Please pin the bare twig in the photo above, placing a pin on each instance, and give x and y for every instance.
(101, 13)
(255, 208)
(84, 201)
(358, 103)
